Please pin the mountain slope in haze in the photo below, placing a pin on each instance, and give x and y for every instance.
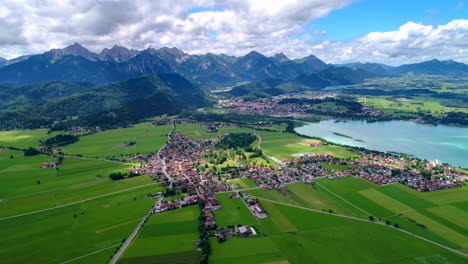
(432, 67)
(374, 68)
(112, 104)
(330, 76)
(39, 93)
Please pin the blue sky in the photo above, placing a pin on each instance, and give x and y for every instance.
(366, 16)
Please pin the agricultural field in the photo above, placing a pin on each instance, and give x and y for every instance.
(22, 139)
(112, 143)
(233, 212)
(301, 194)
(198, 131)
(25, 186)
(439, 215)
(74, 231)
(299, 236)
(286, 145)
(167, 237)
(243, 183)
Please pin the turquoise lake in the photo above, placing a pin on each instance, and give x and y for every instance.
(444, 143)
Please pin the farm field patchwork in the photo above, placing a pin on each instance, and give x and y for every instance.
(73, 231)
(25, 186)
(433, 215)
(300, 236)
(111, 143)
(167, 237)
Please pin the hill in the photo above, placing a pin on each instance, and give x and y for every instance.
(433, 67)
(112, 104)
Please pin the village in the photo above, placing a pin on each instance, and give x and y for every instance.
(296, 106)
(175, 166)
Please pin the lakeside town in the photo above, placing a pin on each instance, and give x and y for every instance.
(177, 166)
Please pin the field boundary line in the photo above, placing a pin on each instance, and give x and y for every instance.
(89, 254)
(355, 206)
(367, 221)
(77, 202)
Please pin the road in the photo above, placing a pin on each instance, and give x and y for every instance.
(77, 202)
(135, 232)
(364, 220)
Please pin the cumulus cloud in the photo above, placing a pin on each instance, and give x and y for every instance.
(218, 26)
(413, 42)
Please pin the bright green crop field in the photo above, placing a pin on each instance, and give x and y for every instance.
(25, 186)
(233, 212)
(300, 236)
(111, 143)
(439, 215)
(73, 231)
(286, 145)
(198, 131)
(22, 139)
(168, 237)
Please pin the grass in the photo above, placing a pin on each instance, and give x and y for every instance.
(56, 236)
(22, 139)
(76, 180)
(300, 236)
(243, 183)
(335, 166)
(167, 238)
(198, 131)
(110, 143)
(233, 212)
(438, 212)
(286, 145)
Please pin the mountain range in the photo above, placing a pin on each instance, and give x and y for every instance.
(77, 64)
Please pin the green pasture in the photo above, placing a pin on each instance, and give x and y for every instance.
(428, 104)
(243, 183)
(111, 143)
(300, 236)
(199, 131)
(435, 215)
(22, 139)
(70, 232)
(233, 212)
(168, 237)
(286, 145)
(75, 180)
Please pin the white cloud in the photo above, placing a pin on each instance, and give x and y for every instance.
(235, 27)
(413, 42)
(226, 26)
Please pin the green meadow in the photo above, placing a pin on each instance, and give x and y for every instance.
(198, 131)
(111, 143)
(167, 237)
(439, 215)
(22, 139)
(69, 232)
(285, 145)
(25, 186)
(299, 236)
(243, 183)
(233, 212)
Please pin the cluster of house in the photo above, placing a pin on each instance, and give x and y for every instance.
(242, 230)
(254, 206)
(188, 200)
(275, 106)
(48, 165)
(79, 129)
